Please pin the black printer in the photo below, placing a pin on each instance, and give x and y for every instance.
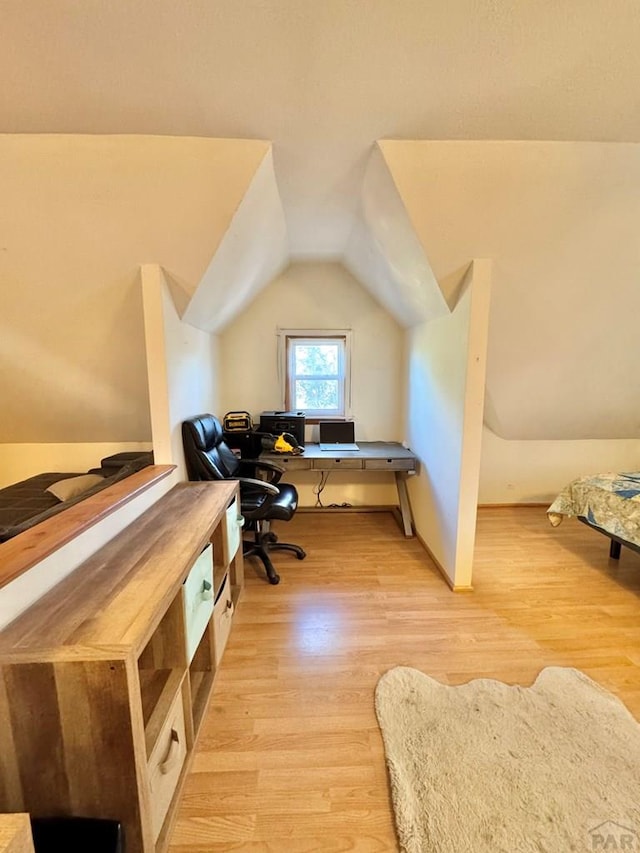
(277, 422)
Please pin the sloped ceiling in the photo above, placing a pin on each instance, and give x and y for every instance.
(252, 252)
(384, 251)
(322, 81)
(560, 221)
(78, 216)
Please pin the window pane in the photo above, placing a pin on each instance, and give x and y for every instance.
(317, 394)
(316, 359)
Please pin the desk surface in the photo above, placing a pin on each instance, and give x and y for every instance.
(372, 454)
(368, 450)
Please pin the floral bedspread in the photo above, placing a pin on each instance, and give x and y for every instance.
(611, 501)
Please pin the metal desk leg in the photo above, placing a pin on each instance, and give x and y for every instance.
(405, 506)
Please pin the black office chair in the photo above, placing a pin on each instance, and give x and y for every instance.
(261, 501)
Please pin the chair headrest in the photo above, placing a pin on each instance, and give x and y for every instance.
(204, 430)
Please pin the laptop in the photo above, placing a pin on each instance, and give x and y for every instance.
(337, 435)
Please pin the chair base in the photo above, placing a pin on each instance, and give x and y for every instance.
(260, 547)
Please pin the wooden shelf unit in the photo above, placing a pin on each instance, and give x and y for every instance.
(100, 700)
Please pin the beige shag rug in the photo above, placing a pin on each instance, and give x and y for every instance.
(485, 767)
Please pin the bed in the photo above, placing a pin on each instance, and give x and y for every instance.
(24, 504)
(609, 503)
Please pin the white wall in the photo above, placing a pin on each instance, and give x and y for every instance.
(535, 471)
(446, 361)
(182, 366)
(320, 296)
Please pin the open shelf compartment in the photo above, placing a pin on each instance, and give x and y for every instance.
(162, 666)
(201, 675)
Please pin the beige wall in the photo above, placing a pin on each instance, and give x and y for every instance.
(535, 471)
(559, 220)
(183, 381)
(78, 216)
(320, 296)
(19, 461)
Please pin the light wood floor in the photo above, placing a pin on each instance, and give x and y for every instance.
(290, 758)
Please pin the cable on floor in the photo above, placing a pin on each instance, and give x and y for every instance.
(319, 488)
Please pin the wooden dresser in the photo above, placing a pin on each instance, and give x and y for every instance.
(105, 680)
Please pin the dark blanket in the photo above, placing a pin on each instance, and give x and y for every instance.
(27, 503)
(22, 501)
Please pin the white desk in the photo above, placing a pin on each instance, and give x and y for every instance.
(372, 456)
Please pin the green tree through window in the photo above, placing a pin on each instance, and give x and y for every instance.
(316, 374)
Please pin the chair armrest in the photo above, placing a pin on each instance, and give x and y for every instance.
(265, 466)
(262, 484)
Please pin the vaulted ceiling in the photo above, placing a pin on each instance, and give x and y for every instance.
(323, 80)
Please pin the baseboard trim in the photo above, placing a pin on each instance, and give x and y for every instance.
(516, 504)
(452, 586)
(374, 508)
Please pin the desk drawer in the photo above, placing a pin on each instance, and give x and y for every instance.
(165, 764)
(231, 538)
(197, 599)
(389, 464)
(222, 618)
(330, 463)
(293, 463)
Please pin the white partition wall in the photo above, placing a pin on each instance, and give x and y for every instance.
(181, 365)
(446, 362)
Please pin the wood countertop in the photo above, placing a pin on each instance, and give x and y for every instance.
(107, 601)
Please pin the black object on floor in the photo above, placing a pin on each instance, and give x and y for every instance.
(77, 835)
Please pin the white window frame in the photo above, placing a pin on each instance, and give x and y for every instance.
(285, 337)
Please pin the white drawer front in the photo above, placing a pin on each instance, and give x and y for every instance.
(165, 764)
(197, 599)
(222, 618)
(233, 526)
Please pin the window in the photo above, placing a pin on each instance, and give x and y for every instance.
(317, 372)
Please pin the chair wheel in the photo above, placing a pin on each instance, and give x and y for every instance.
(301, 555)
(271, 537)
(274, 579)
